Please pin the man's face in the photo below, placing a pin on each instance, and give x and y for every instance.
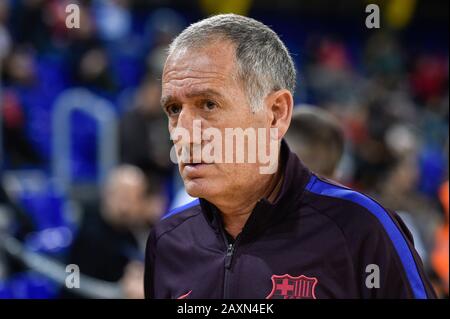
(201, 84)
(125, 199)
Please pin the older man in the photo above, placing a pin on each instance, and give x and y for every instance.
(287, 234)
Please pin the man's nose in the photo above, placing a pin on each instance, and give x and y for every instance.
(187, 134)
(186, 119)
(190, 121)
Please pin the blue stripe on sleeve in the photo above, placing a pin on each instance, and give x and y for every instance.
(317, 186)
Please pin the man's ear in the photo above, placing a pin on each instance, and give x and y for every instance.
(280, 105)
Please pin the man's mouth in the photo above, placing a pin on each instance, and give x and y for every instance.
(194, 168)
(195, 164)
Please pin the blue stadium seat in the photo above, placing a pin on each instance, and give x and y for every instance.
(28, 285)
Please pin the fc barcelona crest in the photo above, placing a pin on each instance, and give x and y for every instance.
(289, 287)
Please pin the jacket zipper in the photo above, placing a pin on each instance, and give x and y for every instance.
(226, 280)
(227, 264)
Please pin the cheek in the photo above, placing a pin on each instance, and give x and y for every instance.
(237, 174)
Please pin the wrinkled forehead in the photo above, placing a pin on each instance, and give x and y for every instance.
(215, 61)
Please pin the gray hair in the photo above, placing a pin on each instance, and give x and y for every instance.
(263, 61)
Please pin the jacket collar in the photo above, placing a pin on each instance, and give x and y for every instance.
(295, 177)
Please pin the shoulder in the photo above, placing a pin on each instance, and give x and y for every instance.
(351, 210)
(176, 217)
(373, 232)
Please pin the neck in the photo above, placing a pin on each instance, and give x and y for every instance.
(234, 217)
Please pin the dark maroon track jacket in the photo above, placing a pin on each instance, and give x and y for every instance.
(316, 240)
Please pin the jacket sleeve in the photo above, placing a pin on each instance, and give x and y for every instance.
(149, 289)
(389, 266)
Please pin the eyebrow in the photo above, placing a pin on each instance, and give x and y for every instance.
(196, 93)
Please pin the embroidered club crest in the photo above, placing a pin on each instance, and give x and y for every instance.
(289, 287)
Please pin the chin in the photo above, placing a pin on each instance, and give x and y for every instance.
(199, 187)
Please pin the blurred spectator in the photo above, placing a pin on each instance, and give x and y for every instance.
(371, 154)
(429, 78)
(398, 191)
(5, 36)
(93, 70)
(18, 149)
(88, 59)
(161, 27)
(132, 280)
(329, 74)
(385, 60)
(30, 25)
(112, 236)
(440, 253)
(317, 138)
(113, 19)
(144, 137)
(19, 67)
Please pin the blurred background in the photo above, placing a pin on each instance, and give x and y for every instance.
(84, 149)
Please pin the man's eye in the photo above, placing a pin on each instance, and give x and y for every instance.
(173, 109)
(210, 105)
